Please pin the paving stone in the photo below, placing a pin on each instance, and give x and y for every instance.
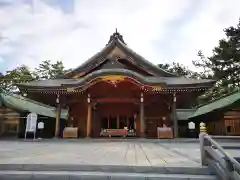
(135, 152)
(50, 177)
(15, 175)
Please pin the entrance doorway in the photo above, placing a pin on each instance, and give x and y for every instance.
(119, 118)
(118, 125)
(118, 122)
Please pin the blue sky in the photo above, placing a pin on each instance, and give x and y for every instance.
(73, 30)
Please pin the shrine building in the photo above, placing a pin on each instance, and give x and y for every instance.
(117, 91)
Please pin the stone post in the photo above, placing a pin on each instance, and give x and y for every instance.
(203, 143)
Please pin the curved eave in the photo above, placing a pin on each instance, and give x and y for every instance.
(171, 83)
(66, 83)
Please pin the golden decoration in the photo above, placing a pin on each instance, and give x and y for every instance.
(70, 89)
(113, 78)
(156, 88)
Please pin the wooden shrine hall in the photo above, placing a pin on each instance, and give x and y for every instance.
(117, 93)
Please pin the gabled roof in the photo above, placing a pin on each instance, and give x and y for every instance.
(116, 40)
(218, 104)
(20, 103)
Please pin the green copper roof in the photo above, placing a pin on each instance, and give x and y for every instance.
(220, 103)
(24, 104)
(171, 82)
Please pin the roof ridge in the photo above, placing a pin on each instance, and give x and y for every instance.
(106, 48)
(145, 60)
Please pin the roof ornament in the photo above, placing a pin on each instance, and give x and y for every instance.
(116, 36)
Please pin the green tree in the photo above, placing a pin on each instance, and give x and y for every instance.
(18, 75)
(48, 70)
(224, 64)
(182, 70)
(22, 74)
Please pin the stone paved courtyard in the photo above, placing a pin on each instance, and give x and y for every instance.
(97, 152)
(101, 152)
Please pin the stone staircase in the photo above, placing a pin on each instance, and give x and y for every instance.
(103, 172)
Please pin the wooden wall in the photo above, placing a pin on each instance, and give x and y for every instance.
(78, 111)
(224, 123)
(153, 117)
(9, 121)
(216, 127)
(232, 122)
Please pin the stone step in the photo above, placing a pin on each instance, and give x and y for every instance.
(106, 168)
(71, 175)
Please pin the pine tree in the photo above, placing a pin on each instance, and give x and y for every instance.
(224, 64)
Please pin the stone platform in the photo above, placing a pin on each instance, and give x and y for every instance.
(96, 152)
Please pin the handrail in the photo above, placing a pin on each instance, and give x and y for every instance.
(226, 137)
(214, 156)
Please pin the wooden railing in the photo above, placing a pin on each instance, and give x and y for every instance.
(214, 156)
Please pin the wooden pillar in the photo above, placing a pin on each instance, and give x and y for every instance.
(89, 113)
(142, 120)
(118, 122)
(174, 115)
(58, 116)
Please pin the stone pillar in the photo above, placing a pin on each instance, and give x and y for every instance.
(174, 116)
(142, 120)
(58, 116)
(89, 113)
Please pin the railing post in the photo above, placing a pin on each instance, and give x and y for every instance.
(229, 168)
(202, 148)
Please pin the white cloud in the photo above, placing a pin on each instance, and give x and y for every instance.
(205, 30)
(38, 31)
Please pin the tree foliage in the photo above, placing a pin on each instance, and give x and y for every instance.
(17, 75)
(224, 64)
(182, 70)
(48, 70)
(21, 74)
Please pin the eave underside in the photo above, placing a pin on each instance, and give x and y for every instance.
(115, 76)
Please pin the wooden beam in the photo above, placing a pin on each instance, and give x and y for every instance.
(116, 99)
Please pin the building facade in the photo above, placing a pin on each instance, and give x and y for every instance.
(221, 116)
(13, 114)
(117, 89)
